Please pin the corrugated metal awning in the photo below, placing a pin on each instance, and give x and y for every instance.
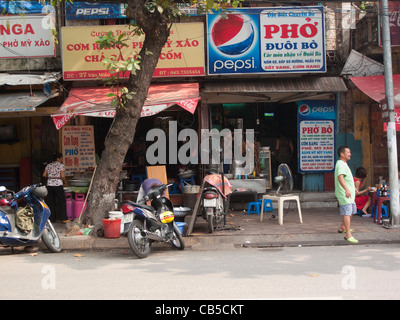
(22, 101)
(28, 79)
(272, 89)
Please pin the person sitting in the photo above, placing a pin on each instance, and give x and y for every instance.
(362, 200)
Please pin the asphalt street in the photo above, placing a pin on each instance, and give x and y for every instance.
(336, 272)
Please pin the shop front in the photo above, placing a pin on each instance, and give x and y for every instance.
(302, 110)
(169, 108)
(373, 92)
(26, 102)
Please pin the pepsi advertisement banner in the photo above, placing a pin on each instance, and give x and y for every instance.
(316, 135)
(93, 10)
(267, 40)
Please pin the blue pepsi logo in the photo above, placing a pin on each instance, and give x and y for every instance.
(233, 35)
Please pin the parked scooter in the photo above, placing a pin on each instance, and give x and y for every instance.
(11, 232)
(152, 223)
(214, 196)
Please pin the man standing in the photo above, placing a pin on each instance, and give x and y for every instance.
(345, 192)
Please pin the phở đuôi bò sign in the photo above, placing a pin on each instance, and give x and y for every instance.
(267, 40)
(316, 135)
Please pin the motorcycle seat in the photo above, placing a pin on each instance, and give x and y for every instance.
(143, 206)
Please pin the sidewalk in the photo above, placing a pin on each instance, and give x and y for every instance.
(319, 228)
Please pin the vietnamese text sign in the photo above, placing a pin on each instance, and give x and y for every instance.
(28, 36)
(78, 148)
(316, 135)
(183, 54)
(267, 40)
(317, 145)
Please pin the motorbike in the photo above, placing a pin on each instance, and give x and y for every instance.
(214, 196)
(41, 228)
(152, 223)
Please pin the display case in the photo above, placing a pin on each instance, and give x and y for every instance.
(265, 166)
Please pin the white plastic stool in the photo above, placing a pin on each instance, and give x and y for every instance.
(281, 199)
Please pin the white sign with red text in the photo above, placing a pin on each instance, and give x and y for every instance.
(26, 36)
(78, 148)
(292, 39)
(317, 145)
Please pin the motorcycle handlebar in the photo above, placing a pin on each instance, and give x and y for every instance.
(161, 188)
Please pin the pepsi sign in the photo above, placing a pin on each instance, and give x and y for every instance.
(266, 40)
(89, 10)
(233, 45)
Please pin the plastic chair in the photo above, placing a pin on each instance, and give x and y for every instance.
(267, 204)
(254, 207)
(281, 199)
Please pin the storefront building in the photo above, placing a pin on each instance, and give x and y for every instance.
(274, 74)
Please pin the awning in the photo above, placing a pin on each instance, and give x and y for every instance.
(93, 101)
(28, 79)
(22, 101)
(271, 89)
(374, 87)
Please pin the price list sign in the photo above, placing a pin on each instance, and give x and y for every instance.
(78, 148)
(316, 136)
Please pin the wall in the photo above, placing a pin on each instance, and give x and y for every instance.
(12, 153)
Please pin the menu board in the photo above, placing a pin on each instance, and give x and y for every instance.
(317, 144)
(316, 136)
(78, 148)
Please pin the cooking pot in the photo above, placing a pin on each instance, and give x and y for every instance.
(191, 189)
(131, 186)
(181, 212)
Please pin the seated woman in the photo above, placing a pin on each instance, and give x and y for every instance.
(363, 200)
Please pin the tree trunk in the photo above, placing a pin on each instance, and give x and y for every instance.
(122, 131)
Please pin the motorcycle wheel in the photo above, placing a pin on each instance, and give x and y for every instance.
(51, 239)
(177, 240)
(210, 223)
(140, 245)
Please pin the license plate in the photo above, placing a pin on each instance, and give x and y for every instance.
(210, 202)
(128, 218)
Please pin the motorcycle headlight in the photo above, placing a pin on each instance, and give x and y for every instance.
(167, 217)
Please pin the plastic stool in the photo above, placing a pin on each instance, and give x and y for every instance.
(191, 180)
(140, 177)
(254, 207)
(267, 204)
(384, 212)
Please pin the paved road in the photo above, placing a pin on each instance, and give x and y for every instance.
(345, 272)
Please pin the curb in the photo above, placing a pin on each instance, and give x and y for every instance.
(203, 243)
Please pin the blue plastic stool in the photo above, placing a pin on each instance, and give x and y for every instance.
(191, 180)
(174, 189)
(254, 207)
(267, 205)
(140, 177)
(384, 212)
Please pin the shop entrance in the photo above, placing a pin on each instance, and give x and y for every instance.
(269, 121)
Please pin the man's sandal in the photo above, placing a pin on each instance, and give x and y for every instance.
(344, 231)
(352, 240)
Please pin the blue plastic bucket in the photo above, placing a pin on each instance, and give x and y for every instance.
(181, 226)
